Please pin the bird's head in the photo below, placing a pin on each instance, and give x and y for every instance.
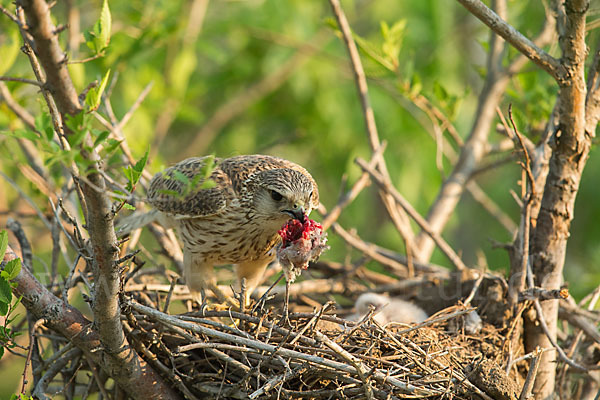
(365, 301)
(283, 194)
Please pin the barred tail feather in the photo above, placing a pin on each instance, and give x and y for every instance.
(137, 220)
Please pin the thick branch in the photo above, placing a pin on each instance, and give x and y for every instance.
(119, 359)
(140, 381)
(571, 148)
(53, 59)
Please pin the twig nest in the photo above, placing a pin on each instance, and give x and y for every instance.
(302, 242)
(388, 309)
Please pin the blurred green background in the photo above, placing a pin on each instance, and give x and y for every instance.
(273, 77)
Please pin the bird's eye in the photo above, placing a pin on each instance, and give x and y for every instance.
(276, 195)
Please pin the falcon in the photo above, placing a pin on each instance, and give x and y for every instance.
(228, 211)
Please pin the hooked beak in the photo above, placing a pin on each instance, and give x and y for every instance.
(296, 213)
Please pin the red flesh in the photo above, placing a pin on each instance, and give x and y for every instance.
(294, 230)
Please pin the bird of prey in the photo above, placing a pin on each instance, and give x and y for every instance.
(228, 211)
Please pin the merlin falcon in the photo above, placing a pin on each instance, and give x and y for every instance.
(228, 211)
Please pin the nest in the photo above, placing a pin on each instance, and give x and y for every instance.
(257, 353)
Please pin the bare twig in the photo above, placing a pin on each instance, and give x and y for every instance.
(543, 294)
(333, 214)
(22, 80)
(423, 224)
(533, 367)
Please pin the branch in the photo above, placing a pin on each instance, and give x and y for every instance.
(141, 382)
(402, 202)
(51, 56)
(473, 151)
(119, 360)
(22, 80)
(397, 216)
(571, 147)
(515, 38)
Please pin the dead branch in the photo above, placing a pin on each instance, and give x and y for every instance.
(541, 294)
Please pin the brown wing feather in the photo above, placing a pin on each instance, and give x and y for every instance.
(170, 193)
(240, 168)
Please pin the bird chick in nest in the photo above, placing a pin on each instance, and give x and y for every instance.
(228, 211)
(387, 309)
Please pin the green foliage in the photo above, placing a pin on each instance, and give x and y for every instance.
(8, 304)
(94, 96)
(199, 181)
(134, 173)
(99, 37)
(20, 396)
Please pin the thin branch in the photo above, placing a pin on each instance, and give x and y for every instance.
(423, 224)
(397, 216)
(22, 80)
(349, 196)
(515, 38)
(533, 367)
(474, 150)
(536, 293)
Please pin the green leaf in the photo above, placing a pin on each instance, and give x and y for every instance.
(43, 123)
(12, 269)
(76, 137)
(440, 92)
(139, 166)
(101, 137)
(208, 167)
(179, 176)
(169, 192)
(23, 134)
(373, 52)
(105, 22)
(208, 184)
(112, 146)
(94, 95)
(128, 206)
(392, 41)
(5, 292)
(78, 122)
(99, 37)
(1, 354)
(3, 243)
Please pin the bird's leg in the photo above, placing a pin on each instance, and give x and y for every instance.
(200, 276)
(252, 272)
